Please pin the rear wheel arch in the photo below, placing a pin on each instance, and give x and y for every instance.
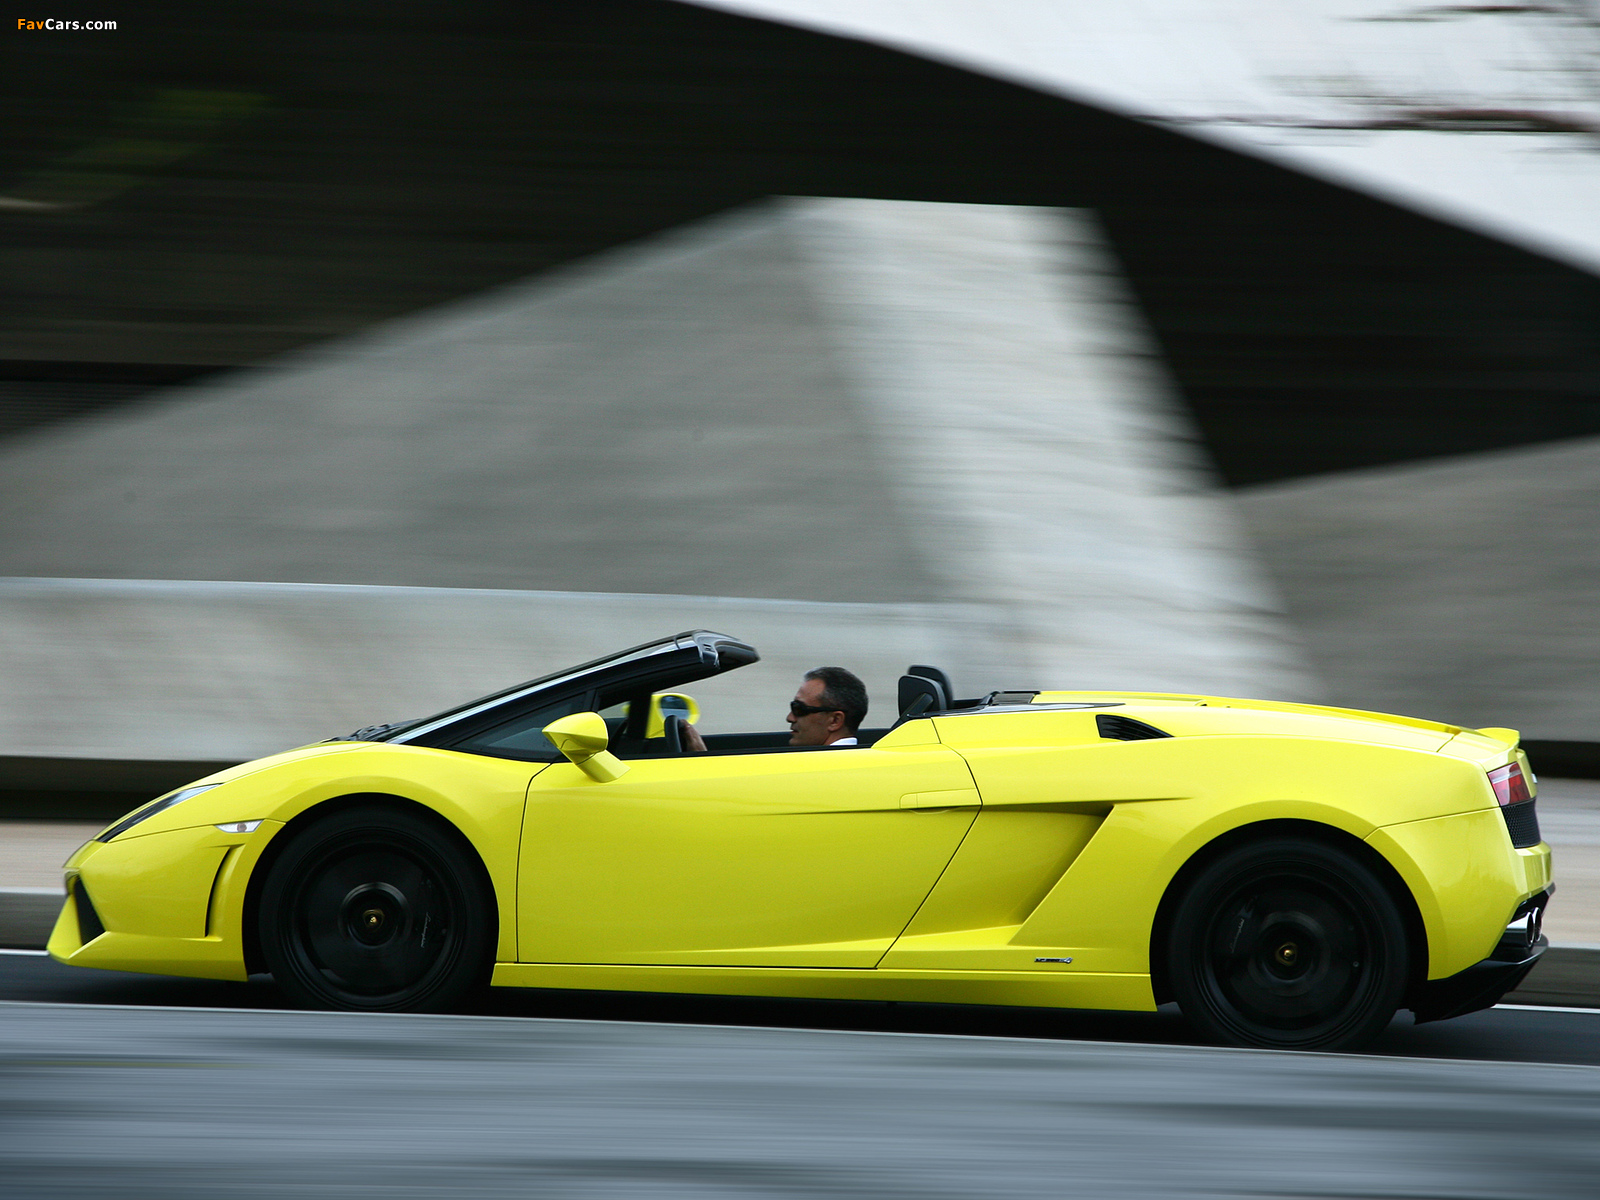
(254, 961)
(1262, 831)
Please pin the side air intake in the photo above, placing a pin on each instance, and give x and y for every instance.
(1125, 729)
(89, 923)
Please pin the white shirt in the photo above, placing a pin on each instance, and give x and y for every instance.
(849, 741)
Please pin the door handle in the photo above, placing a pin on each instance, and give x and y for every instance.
(929, 801)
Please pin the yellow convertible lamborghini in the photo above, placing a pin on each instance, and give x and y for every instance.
(1290, 875)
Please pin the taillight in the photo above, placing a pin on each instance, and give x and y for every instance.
(1509, 785)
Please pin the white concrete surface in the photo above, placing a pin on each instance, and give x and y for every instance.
(31, 853)
(668, 417)
(1318, 85)
(1043, 459)
(182, 670)
(1569, 819)
(858, 432)
(1461, 589)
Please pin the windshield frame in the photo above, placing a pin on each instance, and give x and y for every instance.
(680, 659)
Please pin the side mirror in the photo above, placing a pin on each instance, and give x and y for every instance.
(669, 704)
(582, 737)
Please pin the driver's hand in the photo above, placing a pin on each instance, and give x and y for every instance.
(693, 743)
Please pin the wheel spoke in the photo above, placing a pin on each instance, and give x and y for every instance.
(374, 919)
(1290, 952)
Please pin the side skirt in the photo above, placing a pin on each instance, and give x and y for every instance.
(1036, 989)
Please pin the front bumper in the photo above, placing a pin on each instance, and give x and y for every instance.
(1483, 984)
(168, 903)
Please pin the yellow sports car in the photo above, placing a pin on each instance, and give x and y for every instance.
(1291, 875)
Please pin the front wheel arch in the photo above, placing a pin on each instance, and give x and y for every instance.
(1410, 914)
(255, 963)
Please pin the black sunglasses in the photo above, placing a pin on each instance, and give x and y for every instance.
(798, 710)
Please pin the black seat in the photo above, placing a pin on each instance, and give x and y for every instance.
(919, 694)
(939, 677)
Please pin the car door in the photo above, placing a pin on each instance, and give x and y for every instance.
(798, 858)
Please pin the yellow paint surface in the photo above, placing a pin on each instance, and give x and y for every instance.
(941, 864)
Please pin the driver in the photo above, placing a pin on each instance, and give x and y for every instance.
(827, 710)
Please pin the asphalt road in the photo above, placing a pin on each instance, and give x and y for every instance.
(1505, 1034)
(145, 1086)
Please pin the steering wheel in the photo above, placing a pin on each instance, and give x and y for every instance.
(672, 731)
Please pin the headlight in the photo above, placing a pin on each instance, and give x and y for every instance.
(150, 810)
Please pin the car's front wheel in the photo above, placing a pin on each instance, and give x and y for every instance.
(1288, 943)
(376, 909)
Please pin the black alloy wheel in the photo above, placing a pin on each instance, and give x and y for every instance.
(1289, 944)
(375, 909)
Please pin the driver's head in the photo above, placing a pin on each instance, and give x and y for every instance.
(830, 704)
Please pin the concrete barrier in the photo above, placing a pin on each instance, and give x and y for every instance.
(1566, 975)
(180, 671)
(27, 915)
(860, 432)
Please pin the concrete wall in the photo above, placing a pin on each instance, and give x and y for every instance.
(924, 432)
(228, 671)
(1464, 590)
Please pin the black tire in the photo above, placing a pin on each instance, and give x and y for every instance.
(1289, 944)
(375, 909)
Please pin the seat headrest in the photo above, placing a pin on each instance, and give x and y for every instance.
(919, 694)
(938, 676)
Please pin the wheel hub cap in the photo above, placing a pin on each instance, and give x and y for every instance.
(1288, 954)
(375, 913)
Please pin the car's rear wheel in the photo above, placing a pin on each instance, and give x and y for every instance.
(1288, 943)
(376, 909)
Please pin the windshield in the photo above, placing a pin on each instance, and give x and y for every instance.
(716, 650)
(403, 732)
